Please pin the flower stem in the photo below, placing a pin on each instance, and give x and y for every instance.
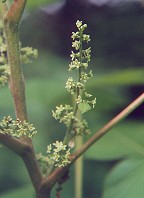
(69, 135)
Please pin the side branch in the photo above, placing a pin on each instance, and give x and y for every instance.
(13, 144)
(26, 152)
(58, 173)
(15, 12)
(109, 125)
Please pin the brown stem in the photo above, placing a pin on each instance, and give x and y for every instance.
(32, 167)
(17, 87)
(26, 152)
(13, 144)
(24, 146)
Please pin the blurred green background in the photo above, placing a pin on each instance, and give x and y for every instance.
(117, 62)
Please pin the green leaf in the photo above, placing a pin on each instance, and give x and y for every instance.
(38, 3)
(123, 140)
(126, 180)
(131, 76)
(19, 192)
(84, 107)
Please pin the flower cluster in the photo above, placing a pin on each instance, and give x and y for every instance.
(4, 71)
(79, 61)
(80, 127)
(59, 154)
(83, 101)
(27, 55)
(80, 57)
(16, 128)
(64, 114)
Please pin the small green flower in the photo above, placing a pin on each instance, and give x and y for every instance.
(78, 24)
(75, 35)
(71, 85)
(86, 38)
(59, 154)
(16, 128)
(93, 102)
(79, 99)
(64, 114)
(27, 55)
(76, 44)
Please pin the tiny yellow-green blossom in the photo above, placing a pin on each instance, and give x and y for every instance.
(16, 128)
(27, 55)
(64, 114)
(86, 37)
(59, 146)
(76, 44)
(71, 85)
(88, 95)
(93, 102)
(79, 99)
(60, 154)
(78, 24)
(75, 35)
(80, 85)
(81, 127)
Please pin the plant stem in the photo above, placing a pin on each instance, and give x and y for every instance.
(78, 169)
(69, 135)
(17, 87)
(22, 147)
(109, 125)
(32, 167)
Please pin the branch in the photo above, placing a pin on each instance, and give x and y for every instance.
(32, 167)
(13, 144)
(26, 152)
(109, 125)
(15, 12)
(22, 147)
(59, 172)
(17, 87)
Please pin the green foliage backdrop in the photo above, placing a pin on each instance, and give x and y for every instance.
(45, 81)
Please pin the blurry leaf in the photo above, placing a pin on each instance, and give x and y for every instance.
(39, 3)
(25, 191)
(131, 76)
(126, 180)
(123, 140)
(84, 106)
